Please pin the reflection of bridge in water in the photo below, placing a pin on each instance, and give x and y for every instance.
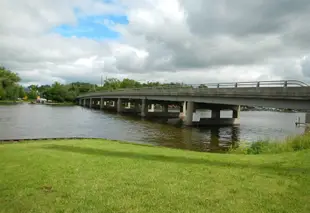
(205, 139)
(214, 139)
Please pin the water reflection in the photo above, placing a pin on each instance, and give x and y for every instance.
(30, 121)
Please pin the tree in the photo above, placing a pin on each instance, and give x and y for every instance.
(33, 92)
(2, 93)
(21, 92)
(202, 86)
(9, 88)
(43, 90)
(112, 84)
(129, 83)
(34, 87)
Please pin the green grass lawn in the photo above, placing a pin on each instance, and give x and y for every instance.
(102, 176)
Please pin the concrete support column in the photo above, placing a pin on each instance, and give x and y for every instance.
(189, 113)
(129, 105)
(119, 105)
(236, 112)
(307, 118)
(101, 103)
(144, 108)
(165, 108)
(152, 108)
(216, 113)
(137, 106)
(183, 108)
(80, 102)
(90, 102)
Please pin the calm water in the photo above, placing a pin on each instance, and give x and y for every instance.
(31, 121)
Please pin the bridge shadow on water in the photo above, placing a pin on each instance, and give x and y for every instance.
(277, 168)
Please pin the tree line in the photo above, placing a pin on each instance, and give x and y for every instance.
(57, 92)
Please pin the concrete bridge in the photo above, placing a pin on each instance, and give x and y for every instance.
(288, 94)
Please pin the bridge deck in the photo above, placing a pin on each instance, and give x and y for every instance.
(262, 92)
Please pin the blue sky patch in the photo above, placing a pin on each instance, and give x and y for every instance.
(92, 27)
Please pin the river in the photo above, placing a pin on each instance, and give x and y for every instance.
(33, 121)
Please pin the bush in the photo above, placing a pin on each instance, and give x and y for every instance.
(290, 144)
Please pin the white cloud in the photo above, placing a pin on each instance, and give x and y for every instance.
(177, 40)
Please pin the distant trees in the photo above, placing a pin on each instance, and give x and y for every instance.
(68, 92)
(202, 86)
(11, 90)
(9, 87)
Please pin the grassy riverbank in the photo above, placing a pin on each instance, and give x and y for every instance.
(8, 102)
(105, 176)
(290, 144)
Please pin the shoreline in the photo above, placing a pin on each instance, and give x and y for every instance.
(16, 140)
(289, 144)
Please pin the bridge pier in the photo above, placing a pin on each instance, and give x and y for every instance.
(189, 108)
(119, 105)
(216, 114)
(236, 112)
(216, 119)
(137, 106)
(144, 108)
(102, 103)
(90, 103)
(307, 118)
(151, 108)
(164, 108)
(188, 112)
(87, 102)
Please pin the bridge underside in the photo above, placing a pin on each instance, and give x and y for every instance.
(167, 109)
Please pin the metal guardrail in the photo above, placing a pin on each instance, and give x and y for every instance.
(279, 83)
(224, 85)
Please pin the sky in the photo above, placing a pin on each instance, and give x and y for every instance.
(190, 41)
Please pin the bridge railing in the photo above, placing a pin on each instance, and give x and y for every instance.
(207, 86)
(279, 83)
